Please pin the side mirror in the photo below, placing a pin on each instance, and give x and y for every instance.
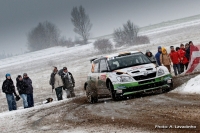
(104, 71)
(154, 62)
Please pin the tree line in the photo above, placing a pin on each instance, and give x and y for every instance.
(47, 34)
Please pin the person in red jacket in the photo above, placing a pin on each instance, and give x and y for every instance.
(183, 60)
(175, 60)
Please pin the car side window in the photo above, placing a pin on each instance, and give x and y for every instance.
(103, 65)
(96, 67)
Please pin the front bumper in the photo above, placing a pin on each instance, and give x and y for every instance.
(164, 82)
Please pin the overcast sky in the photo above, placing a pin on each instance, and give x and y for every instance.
(18, 17)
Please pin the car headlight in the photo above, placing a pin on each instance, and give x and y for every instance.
(161, 72)
(124, 79)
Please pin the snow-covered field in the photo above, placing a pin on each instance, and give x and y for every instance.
(39, 64)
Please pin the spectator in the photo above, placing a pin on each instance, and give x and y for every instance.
(175, 60)
(165, 59)
(150, 56)
(194, 48)
(29, 89)
(52, 77)
(183, 59)
(187, 50)
(68, 83)
(177, 48)
(21, 87)
(9, 89)
(157, 56)
(58, 84)
(191, 43)
(190, 47)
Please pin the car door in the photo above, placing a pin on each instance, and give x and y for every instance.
(92, 78)
(103, 67)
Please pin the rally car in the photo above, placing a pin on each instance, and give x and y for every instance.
(123, 74)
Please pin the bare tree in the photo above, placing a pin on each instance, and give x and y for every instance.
(103, 45)
(130, 32)
(43, 36)
(81, 22)
(127, 34)
(119, 37)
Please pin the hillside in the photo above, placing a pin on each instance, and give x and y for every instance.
(75, 115)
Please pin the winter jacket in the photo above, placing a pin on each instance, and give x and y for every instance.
(165, 59)
(52, 79)
(187, 54)
(183, 59)
(29, 87)
(8, 87)
(151, 57)
(58, 81)
(21, 86)
(157, 56)
(60, 72)
(175, 57)
(68, 80)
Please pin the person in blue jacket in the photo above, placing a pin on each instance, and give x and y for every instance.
(157, 56)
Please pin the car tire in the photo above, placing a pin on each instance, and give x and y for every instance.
(91, 98)
(113, 92)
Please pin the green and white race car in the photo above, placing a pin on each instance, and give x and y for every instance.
(123, 74)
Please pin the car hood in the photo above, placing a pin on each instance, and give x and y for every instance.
(137, 70)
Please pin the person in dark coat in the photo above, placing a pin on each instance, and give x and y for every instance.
(29, 90)
(187, 50)
(157, 56)
(9, 89)
(150, 55)
(68, 83)
(52, 78)
(21, 87)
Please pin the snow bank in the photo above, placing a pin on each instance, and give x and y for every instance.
(191, 87)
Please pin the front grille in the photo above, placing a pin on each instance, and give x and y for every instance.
(143, 87)
(142, 77)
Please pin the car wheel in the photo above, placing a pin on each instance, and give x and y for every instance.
(90, 97)
(113, 92)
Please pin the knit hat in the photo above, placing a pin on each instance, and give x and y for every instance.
(8, 75)
(159, 47)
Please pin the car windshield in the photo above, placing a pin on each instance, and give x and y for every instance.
(124, 61)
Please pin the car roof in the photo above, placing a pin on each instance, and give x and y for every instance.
(121, 53)
(115, 55)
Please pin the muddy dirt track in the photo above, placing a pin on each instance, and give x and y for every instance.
(167, 112)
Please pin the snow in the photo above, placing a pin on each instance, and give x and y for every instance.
(18, 119)
(39, 64)
(191, 87)
(168, 28)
